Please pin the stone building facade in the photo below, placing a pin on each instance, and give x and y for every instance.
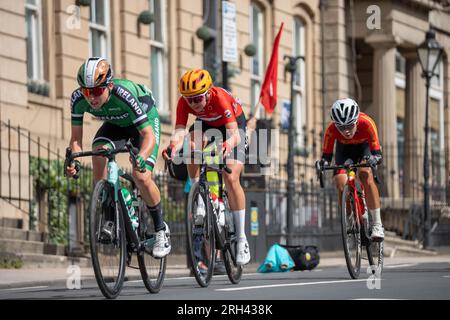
(369, 54)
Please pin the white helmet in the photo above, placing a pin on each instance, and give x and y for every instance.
(344, 112)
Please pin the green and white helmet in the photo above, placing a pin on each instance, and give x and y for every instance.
(95, 72)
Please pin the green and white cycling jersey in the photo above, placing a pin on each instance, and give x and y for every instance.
(126, 106)
(130, 105)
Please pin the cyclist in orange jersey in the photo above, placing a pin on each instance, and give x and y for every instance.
(356, 137)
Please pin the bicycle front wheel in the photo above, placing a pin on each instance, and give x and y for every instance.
(200, 235)
(234, 271)
(107, 241)
(153, 270)
(351, 236)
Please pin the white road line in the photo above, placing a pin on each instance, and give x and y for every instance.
(299, 284)
(446, 277)
(379, 299)
(25, 288)
(400, 266)
(214, 277)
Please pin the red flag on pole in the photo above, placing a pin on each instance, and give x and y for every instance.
(268, 96)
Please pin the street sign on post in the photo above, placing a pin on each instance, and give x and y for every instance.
(229, 32)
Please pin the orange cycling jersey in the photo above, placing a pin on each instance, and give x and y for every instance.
(366, 132)
(221, 109)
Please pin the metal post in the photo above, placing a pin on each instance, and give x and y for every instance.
(322, 5)
(9, 158)
(49, 217)
(1, 152)
(292, 68)
(20, 168)
(225, 75)
(426, 173)
(38, 187)
(30, 182)
(224, 63)
(58, 168)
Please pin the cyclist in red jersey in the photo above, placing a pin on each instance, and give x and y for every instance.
(356, 137)
(219, 115)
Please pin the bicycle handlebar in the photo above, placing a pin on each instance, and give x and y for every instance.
(108, 153)
(347, 166)
(205, 154)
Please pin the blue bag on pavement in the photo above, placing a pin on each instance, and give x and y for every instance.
(277, 260)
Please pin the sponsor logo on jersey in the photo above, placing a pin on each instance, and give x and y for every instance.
(126, 95)
(75, 97)
(110, 118)
(227, 113)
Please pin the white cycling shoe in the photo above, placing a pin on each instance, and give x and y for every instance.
(162, 247)
(377, 233)
(243, 252)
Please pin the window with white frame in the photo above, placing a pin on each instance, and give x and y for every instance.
(99, 24)
(33, 14)
(257, 61)
(299, 83)
(158, 55)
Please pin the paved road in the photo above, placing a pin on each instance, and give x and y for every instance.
(409, 279)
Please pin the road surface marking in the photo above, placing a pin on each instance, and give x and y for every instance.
(379, 299)
(291, 285)
(446, 276)
(25, 288)
(400, 265)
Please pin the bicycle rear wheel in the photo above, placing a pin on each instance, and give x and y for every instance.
(201, 237)
(153, 270)
(108, 250)
(351, 236)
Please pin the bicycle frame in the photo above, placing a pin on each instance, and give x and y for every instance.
(114, 172)
(358, 195)
(359, 201)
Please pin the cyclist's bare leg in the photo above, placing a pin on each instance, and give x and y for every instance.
(236, 195)
(236, 198)
(370, 188)
(99, 165)
(373, 201)
(340, 180)
(149, 190)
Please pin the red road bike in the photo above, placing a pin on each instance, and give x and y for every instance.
(355, 220)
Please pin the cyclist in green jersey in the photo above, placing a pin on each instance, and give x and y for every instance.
(129, 112)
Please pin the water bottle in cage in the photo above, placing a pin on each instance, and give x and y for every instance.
(130, 203)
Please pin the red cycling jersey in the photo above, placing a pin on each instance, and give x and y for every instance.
(221, 109)
(366, 131)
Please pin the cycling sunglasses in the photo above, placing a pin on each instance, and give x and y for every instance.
(346, 127)
(196, 99)
(96, 92)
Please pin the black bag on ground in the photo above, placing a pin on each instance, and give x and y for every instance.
(305, 257)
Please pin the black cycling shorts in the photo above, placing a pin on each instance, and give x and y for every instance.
(115, 137)
(211, 134)
(355, 152)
